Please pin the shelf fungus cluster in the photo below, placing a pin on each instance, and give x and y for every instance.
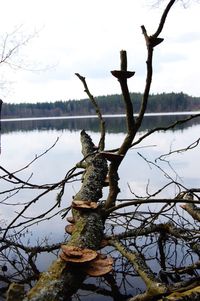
(81, 204)
(89, 261)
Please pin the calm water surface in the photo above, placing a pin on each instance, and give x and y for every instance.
(23, 140)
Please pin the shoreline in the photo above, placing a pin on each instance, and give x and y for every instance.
(95, 116)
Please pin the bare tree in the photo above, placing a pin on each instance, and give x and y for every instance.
(144, 236)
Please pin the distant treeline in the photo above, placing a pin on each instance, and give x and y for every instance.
(110, 104)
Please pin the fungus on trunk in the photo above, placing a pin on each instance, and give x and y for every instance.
(70, 228)
(70, 219)
(76, 254)
(100, 266)
(84, 204)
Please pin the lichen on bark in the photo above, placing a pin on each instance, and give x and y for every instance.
(62, 280)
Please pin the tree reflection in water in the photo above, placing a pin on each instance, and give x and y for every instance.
(113, 124)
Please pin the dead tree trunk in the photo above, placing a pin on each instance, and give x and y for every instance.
(63, 279)
(79, 254)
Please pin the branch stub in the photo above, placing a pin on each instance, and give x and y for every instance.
(112, 156)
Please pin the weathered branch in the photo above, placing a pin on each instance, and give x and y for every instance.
(167, 228)
(163, 18)
(98, 111)
(135, 202)
(192, 294)
(151, 42)
(132, 126)
(193, 210)
(122, 76)
(62, 280)
(154, 286)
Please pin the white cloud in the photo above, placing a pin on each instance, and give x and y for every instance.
(86, 37)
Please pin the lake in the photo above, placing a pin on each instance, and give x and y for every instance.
(23, 140)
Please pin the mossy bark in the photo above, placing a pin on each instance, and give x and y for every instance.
(154, 286)
(62, 280)
(189, 295)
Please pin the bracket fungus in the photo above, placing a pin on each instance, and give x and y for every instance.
(70, 228)
(122, 74)
(94, 264)
(70, 219)
(77, 255)
(100, 266)
(84, 204)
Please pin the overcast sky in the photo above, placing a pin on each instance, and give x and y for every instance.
(86, 36)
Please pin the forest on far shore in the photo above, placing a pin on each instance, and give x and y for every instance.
(110, 104)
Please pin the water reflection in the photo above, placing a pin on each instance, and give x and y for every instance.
(113, 125)
(27, 138)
